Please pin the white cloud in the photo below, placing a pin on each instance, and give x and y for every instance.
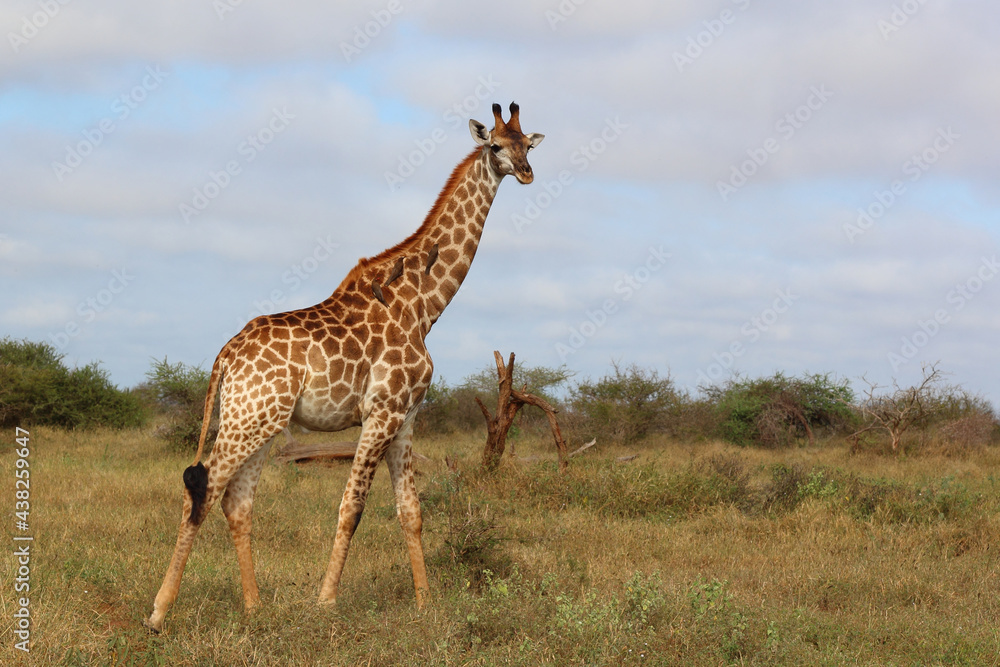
(655, 183)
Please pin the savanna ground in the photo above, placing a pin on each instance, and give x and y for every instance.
(701, 554)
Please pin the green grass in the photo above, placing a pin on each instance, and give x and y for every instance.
(689, 555)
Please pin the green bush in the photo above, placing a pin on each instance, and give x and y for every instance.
(778, 410)
(36, 388)
(625, 405)
(178, 391)
(434, 413)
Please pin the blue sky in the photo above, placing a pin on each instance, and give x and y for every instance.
(697, 202)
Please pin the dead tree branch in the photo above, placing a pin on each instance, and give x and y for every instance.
(509, 401)
(899, 409)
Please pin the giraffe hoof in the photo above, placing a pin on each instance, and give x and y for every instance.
(151, 627)
(422, 598)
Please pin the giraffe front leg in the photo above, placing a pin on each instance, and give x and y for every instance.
(376, 435)
(399, 459)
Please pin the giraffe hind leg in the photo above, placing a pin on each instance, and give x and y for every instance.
(237, 505)
(224, 462)
(399, 460)
(190, 522)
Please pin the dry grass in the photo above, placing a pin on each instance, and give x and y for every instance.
(688, 555)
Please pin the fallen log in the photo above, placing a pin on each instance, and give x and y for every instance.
(300, 451)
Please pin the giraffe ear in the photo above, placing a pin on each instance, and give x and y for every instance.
(535, 138)
(479, 132)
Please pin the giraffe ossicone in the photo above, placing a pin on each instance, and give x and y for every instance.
(357, 358)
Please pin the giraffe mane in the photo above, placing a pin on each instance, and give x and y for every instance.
(457, 174)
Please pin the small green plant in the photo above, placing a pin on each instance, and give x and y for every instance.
(708, 597)
(643, 600)
(715, 617)
(818, 485)
(735, 640)
(583, 614)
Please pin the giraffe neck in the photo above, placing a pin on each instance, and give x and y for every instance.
(455, 225)
(421, 274)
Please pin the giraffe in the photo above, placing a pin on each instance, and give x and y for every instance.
(357, 358)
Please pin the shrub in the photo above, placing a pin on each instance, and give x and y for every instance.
(178, 392)
(776, 411)
(36, 388)
(909, 416)
(472, 545)
(962, 421)
(968, 432)
(694, 420)
(625, 405)
(432, 417)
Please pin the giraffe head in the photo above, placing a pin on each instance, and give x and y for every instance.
(508, 146)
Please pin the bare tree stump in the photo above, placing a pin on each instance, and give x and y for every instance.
(509, 402)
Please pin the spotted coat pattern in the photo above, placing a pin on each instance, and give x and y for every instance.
(357, 358)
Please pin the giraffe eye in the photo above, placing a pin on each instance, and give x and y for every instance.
(495, 148)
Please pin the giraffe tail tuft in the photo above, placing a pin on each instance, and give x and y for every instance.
(196, 483)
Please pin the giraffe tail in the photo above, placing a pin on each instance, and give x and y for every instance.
(196, 475)
(213, 389)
